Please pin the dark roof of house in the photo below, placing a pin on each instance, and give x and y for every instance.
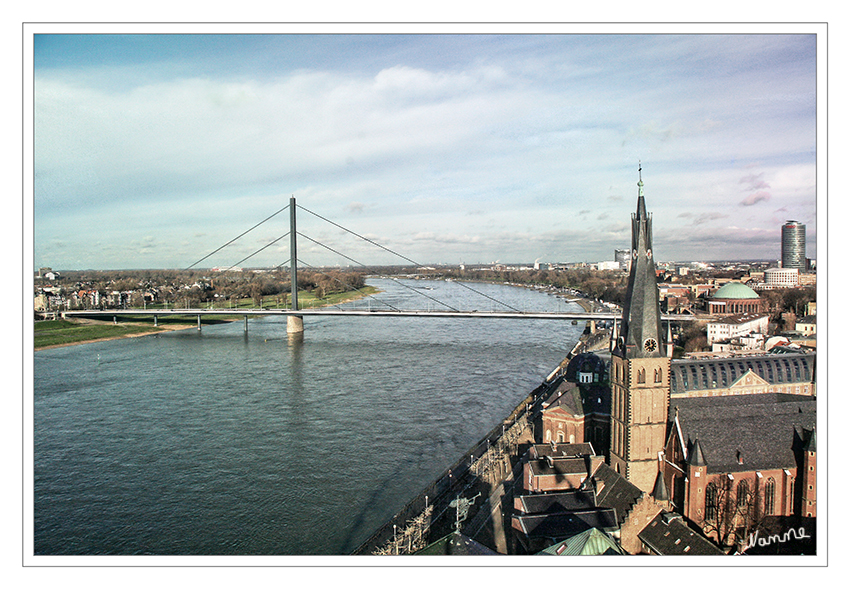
(585, 362)
(563, 450)
(659, 491)
(739, 319)
(582, 399)
(566, 395)
(455, 544)
(696, 457)
(764, 430)
(667, 534)
(560, 466)
(566, 525)
(719, 373)
(811, 444)
(557, 502)
(616, 492)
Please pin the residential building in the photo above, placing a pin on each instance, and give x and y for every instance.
(736, 326)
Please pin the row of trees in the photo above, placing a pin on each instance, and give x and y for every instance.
(606, 285)
(192, 287)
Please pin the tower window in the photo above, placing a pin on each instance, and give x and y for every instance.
(711, 502)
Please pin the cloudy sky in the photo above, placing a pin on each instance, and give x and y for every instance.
(150, 151)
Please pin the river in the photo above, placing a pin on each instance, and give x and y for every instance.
(221, 442)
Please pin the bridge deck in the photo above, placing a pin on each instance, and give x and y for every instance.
(363, 313)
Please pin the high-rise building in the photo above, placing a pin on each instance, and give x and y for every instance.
(794, 245)
(624, 257)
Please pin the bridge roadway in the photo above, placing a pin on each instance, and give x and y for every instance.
(325, 312)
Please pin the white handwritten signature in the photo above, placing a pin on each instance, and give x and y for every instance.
(767, 541)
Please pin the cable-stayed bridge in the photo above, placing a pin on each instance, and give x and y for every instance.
(296, 313)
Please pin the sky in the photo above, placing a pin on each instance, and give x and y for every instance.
(152, 150)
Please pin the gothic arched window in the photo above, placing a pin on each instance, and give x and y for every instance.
(743, 492)
(711, 502)
(769, 496)
(657, 375)
(641, 375)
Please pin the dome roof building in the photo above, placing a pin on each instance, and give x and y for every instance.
(733, 298)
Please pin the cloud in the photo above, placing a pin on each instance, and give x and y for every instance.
(461, 148)
(708, 217)
(756, 197)
(754, 181)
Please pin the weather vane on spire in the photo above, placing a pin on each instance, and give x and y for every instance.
(639, 169)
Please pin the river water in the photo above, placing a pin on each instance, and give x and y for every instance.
(218, 442)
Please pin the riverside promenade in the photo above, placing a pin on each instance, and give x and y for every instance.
(486, 475)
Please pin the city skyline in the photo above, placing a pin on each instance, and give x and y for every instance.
(153, 150)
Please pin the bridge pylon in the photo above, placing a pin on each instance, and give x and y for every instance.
(294, 323)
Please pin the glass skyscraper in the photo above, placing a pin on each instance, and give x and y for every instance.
(794, 245)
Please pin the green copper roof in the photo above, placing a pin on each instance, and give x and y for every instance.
(592, 542)
(735, 290)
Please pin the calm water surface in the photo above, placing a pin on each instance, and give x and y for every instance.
(217, 442)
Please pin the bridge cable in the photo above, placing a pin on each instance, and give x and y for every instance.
(258, 251)
(415, 263)
(361, 264)
(337, 305)
(237, 237)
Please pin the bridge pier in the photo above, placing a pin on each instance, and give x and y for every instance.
(294, 324)
(246, 324)
(155, 324)
(199, 323)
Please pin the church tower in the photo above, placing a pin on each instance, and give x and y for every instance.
(640, 370)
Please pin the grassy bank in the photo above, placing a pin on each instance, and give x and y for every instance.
(61, 333)
(50, 334)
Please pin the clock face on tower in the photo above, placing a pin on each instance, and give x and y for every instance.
(650, 345)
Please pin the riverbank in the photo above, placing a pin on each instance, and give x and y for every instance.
(62, 333)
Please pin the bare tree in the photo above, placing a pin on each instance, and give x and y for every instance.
(733, 510)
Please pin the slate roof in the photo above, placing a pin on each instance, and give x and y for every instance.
(616, 493)
(581, 399)
(566, 525)
(667, 534)
(710, 373)
(585, 362)
(562, 449)
(455, 544)
(739, 319)
(560, 466)
(659, 491)
(763, 428)
(557, 502)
